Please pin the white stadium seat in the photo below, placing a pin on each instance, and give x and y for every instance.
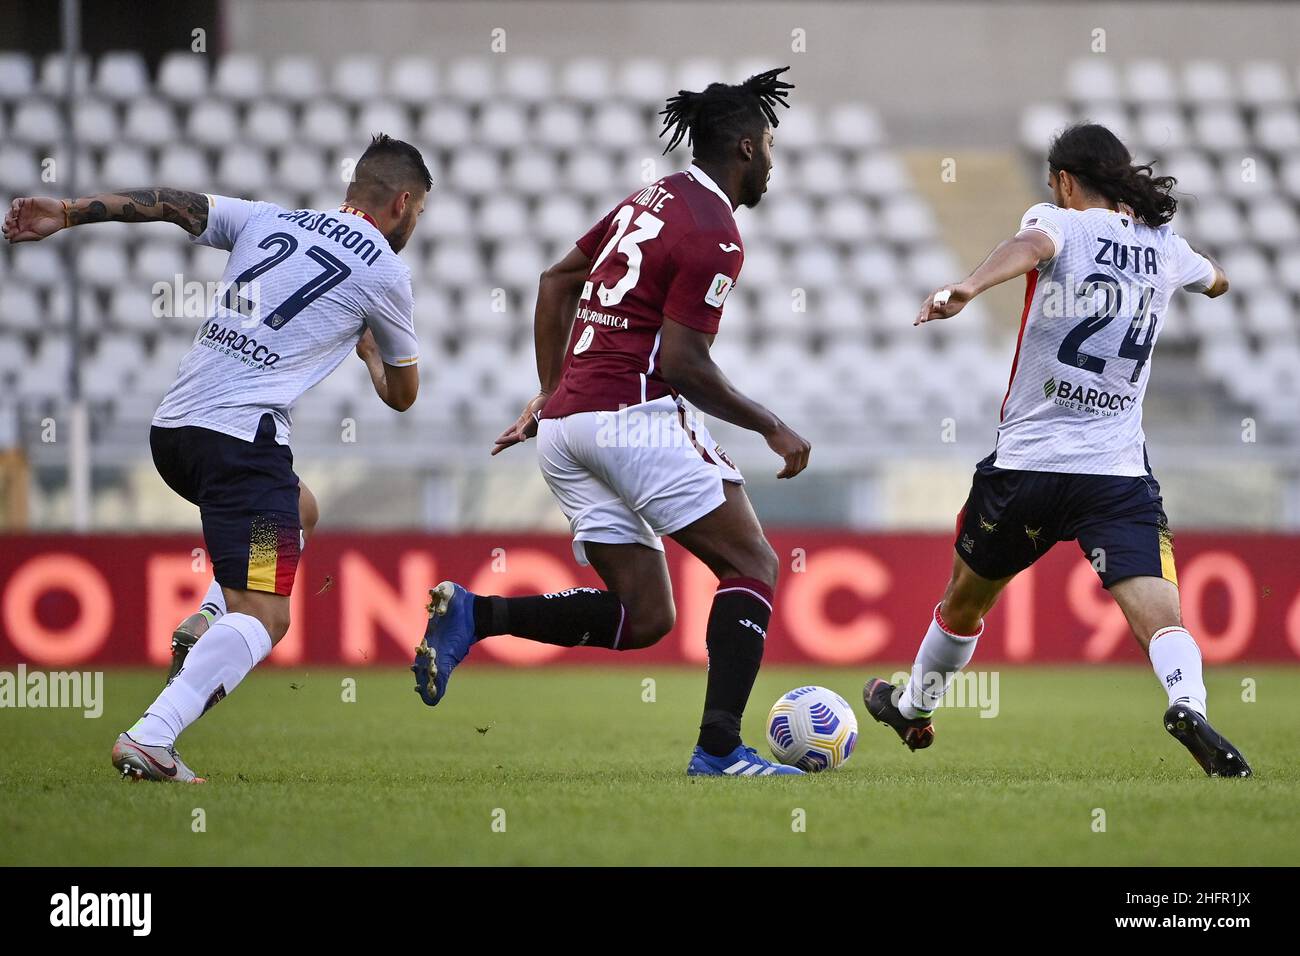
(17, 76)
(1040, 122)
(121, 76)
(212, 123)
(1092, 79)
(527, 79)
(357, 78)
(184, 167)
(1150, 81)
(325, 123)
(150, 122)
(501, 125)
(183, 76)
(847, 219)
(54, 74)
(239, 77)
(1277, 128)
(413, 80)
(384, 116)
(853, 126)
(445, 122)
(471, 79)
(36, 122)
(302, 168)
(20, 306)
(124, 166)
(268, 123)
(1162, 129)
(296, 79)
(643, 80)
(1208, 81)
(1265, 83)
(616, 126)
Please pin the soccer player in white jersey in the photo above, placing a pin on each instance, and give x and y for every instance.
(1101, 264)
(301, 289)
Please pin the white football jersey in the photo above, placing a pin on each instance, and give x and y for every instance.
(1092, 315)
(299, 289)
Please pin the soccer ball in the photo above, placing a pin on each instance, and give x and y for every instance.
(812, 728)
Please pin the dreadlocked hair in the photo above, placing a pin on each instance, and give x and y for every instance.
(710, 121)
(1095, 156)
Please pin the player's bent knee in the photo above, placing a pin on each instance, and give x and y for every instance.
(759, 562)
(648, 628)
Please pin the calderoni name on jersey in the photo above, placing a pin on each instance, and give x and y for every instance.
(336, 230)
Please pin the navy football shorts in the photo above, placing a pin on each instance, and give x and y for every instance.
(1013, 517)
(247, 495)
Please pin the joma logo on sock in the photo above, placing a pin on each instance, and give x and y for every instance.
(754, 627)
(75, 908)
(1174, 678)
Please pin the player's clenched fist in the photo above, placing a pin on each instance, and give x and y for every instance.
(32, 218)
(791, 446)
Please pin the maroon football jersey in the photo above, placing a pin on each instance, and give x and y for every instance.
(669, 251)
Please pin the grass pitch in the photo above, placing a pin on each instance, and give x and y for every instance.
(574, 767)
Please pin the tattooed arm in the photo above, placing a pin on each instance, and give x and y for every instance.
(39, 217)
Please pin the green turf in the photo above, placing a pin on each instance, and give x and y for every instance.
(587, 772)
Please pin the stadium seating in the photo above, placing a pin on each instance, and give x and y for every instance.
(1229, 135)
(525, 157)
(526, 154)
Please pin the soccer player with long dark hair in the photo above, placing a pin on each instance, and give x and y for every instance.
(1070, 464)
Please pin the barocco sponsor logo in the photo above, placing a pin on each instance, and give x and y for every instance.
(1090, 401)
(239, 345)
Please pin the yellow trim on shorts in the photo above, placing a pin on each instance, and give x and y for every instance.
(263, 554)
(1168, 571)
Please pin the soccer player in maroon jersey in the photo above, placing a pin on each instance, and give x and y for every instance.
(623, 327)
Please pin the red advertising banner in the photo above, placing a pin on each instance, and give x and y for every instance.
(843, 599)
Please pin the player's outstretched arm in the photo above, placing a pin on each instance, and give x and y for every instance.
(557, 301)
(1011, 258)
(687, 366)
(39, 217)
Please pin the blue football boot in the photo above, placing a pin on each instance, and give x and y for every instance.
(446, 641)
(741, 762)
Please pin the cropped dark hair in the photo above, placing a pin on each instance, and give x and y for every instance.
(1103, 165)
(711, 121)
(390, 165)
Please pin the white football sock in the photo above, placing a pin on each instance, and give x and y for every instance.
(214, 602)
(942, 654)
(213, 669)
(1177, 662)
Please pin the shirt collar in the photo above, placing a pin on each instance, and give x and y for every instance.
(704, 180)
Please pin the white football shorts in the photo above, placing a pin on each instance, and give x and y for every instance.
(632, 475)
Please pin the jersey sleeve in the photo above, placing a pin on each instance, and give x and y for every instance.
(226, 219)
(589, 244)
(1193, 272)
(703, 274)
(1049, 220)
(392, 321)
